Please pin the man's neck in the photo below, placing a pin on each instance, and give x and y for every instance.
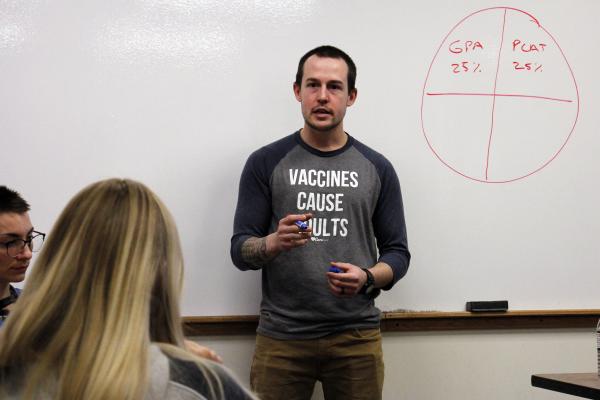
(4, 289)
(324, 140)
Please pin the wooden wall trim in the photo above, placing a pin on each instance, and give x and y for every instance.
(419, 321)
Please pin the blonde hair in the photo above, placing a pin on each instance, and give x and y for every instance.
(105, 285)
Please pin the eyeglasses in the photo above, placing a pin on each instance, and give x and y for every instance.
(16, 246)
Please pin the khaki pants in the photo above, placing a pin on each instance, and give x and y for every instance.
(348, 364)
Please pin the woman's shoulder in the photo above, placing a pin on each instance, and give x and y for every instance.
(190, 380)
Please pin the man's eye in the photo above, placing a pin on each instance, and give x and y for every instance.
(12, 243)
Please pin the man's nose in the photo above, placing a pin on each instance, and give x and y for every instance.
(323, 94)
(25, 253)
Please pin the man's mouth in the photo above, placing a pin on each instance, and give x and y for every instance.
(322, 111)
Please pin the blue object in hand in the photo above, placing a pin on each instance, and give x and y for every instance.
(302, 225)
(335, 269)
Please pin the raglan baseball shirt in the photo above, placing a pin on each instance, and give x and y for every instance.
(358, 218)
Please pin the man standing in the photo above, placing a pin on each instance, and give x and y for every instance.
(17, 242)
(321, 214)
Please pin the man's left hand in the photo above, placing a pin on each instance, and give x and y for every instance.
(348, 282)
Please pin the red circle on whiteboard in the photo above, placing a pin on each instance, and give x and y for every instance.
(515, 138)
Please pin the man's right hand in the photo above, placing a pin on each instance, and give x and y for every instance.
(288, 235)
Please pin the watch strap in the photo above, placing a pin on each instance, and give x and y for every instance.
(369, 282)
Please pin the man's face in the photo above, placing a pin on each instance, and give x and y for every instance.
(324, 92)
(14, 226)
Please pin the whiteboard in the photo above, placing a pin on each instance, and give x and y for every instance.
(497, 162)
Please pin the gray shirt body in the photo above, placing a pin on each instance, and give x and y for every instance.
(354, 196)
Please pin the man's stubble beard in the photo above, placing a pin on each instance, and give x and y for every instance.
(327, 128)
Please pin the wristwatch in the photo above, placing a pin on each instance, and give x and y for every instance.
(369, 284)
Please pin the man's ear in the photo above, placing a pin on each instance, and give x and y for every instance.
(352, 97)
(297, 91)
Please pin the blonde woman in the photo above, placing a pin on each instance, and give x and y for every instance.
(99, 315)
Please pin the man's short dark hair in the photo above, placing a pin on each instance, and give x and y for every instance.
(328, 52)
(11, 201)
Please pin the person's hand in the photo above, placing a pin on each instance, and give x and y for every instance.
(202, 351)
(348, 282)
(288, 235)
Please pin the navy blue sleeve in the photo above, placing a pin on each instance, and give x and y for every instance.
(253, 211)
(390, 226)
(254, 208)
(388, 219)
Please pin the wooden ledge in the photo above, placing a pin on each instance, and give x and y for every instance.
(412, 321)
(524, 319)
(224, 325)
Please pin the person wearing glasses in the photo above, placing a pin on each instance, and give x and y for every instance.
(18, 240)
(99, 315)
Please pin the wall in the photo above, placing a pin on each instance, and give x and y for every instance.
(477, 365)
